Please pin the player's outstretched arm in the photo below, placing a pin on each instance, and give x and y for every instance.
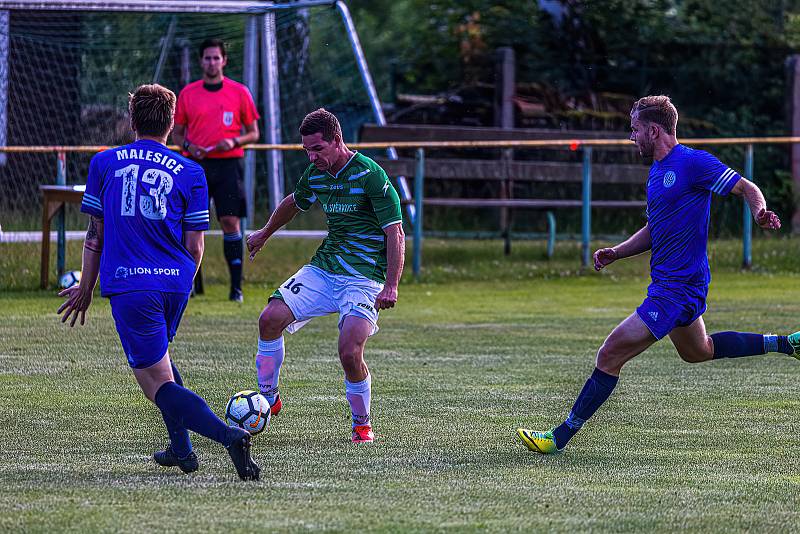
(395, 258)
(79, 297)
(284, 213)
(636, 244)
(758, 205)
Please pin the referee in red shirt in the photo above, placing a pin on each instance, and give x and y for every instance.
(214, 117)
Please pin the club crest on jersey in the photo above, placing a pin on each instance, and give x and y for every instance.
(669, 179)
(227, 118)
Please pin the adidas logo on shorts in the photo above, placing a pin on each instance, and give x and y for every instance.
(653, 315)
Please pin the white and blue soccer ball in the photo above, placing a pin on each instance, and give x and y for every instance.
(69, 279)
(248, 410)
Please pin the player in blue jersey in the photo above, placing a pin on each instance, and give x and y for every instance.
(148, 209)
(679, 190)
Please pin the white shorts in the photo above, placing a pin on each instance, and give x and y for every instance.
(313, 292)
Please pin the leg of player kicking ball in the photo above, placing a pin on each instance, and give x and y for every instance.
(179, 453)
(630, 338)
(694, 345)
(358, 382)
(190, 411)
(269, 358)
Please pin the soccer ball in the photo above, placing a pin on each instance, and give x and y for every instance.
(69, 279)
(248, 410)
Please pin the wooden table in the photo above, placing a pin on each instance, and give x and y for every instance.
(55, 197)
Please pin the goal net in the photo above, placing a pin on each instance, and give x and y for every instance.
(69, 73)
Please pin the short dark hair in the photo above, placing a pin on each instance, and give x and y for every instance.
(321, 121)
(211, 43)
(152, 108)
(657, 109)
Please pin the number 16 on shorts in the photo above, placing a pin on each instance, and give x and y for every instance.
(293, 286)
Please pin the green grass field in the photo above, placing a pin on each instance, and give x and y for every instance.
(481, 345)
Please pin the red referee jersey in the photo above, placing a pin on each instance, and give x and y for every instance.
(210, 116)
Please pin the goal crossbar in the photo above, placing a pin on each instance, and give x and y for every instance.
(247, 7)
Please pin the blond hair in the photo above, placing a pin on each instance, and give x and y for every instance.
(657, 109)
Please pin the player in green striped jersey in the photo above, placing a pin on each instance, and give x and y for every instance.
(355, 271)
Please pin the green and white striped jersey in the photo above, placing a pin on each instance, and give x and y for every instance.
(359, 202)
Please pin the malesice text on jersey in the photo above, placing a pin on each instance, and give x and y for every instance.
(149, 155)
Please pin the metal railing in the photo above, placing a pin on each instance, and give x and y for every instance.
(585, 145)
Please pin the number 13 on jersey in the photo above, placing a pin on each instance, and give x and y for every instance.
(153, 206)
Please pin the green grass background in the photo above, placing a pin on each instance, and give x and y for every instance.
(482, 344)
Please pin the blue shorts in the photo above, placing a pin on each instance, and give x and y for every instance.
(146, 322)
(669, 306)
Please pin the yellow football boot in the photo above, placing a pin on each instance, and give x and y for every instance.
(541, 442)
(794, 341)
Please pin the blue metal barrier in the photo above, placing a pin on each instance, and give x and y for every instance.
(747, 232)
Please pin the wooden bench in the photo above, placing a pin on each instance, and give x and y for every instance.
(505, 172)
(54, 197)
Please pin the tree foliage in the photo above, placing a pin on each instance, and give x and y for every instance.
(722, 61)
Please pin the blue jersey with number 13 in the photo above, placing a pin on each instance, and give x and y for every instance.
(147, 196)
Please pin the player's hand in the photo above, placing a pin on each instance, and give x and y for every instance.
(768, 220)
(197, 152)
(255, 242)
(224, 145)
(386, 299)
(76, 304)
(603, 257)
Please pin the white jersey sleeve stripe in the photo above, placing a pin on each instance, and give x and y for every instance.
(719, 184)
(722, 179)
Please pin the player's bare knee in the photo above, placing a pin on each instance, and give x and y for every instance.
(609, 359)
(694, 355)
(269, 324)
(351, 355)
(604, 354)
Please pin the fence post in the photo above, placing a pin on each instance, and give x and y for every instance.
(747, 232)
(61, 179)
(419, 179)
(586, 219)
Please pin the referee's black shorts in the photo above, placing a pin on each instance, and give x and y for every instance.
(225, 177)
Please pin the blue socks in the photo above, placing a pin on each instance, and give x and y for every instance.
(188, 410)
(176, 375)
(774, 343)
(178, 436)
(738, 344)
(594, 393)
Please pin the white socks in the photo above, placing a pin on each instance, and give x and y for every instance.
(268, 366)
(359, 396)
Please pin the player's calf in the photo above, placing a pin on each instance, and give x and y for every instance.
(359, 396)
(740, 344)
(269, 360)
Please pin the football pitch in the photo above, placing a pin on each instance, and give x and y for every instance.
(481, 345)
